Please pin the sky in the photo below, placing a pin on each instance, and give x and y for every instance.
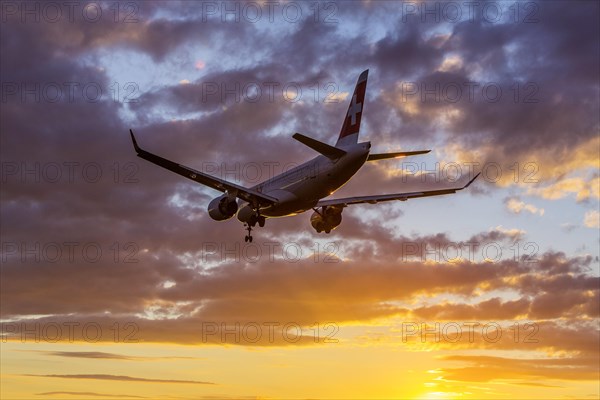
(116, 283)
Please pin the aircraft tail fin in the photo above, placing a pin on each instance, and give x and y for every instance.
(351, 126)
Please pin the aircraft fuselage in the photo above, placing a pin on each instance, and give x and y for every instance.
(300, 188)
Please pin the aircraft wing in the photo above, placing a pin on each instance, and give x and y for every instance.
(249, 195)
(389, 197)
(385, 156)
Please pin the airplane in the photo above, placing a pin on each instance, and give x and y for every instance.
(306, 186)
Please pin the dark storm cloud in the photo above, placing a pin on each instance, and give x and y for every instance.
(560, 64)
(136, 29)
(405, 52)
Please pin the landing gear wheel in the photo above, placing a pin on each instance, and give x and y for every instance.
(248, 237)
(252, 223)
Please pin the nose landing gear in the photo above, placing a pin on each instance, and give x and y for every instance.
(248, 237)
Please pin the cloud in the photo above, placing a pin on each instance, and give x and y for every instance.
(89, 354)
(592, 219)
(270, 302)
(485, 369)
(109, 356)
(568, 227)
(493, 309)
(120, 378)
(57, 393)
(513, 233)
(537, 384)
(583, 188)
(515, 205)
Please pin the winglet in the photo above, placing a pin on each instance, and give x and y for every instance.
(471, 181)
(135, 145)
(363, 76)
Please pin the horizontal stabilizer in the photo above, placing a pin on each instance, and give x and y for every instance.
(384, 156)
(328, 151)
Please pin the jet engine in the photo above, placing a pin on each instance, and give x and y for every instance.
(222, 208)
(326, 219)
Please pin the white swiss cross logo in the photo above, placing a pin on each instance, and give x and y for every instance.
(354, 109)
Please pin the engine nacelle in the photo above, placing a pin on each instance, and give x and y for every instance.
(327, 219)
(246, 213)
(222, 208)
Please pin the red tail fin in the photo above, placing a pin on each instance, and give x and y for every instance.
(351, 126)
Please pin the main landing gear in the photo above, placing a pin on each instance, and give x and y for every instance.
(251, 224)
